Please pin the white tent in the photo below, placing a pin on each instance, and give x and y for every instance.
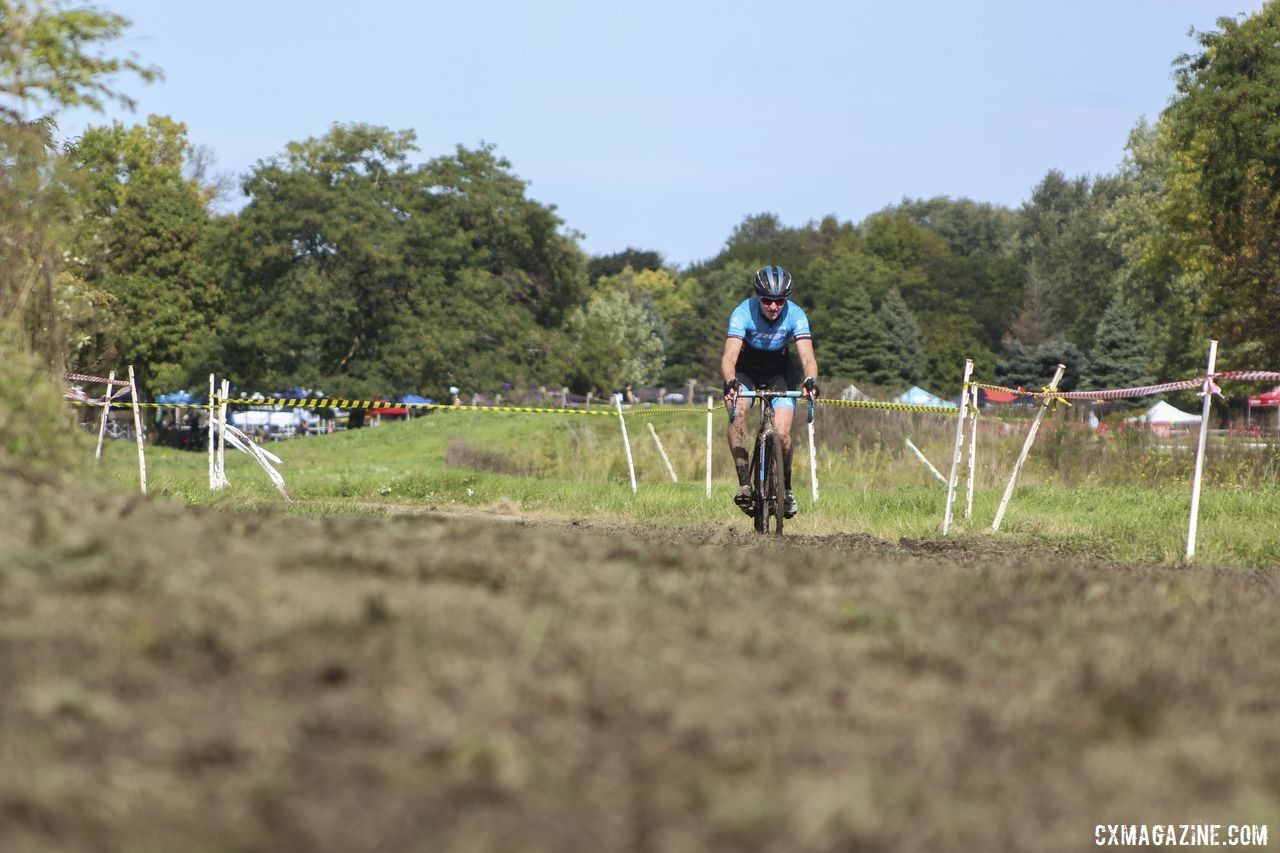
(853, 393)
(917, 396)
(1163, 413)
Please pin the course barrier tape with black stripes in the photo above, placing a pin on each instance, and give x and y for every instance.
(374, 406)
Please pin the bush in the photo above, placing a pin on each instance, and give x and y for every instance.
(35, 430)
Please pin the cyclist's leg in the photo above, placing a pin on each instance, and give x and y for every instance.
(739, 452)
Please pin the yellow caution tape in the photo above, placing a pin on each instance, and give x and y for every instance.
(374, 406)
(892, 407)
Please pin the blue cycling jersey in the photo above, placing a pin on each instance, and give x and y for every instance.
(749, 324)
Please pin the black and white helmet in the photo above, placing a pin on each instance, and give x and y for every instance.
(773, 283)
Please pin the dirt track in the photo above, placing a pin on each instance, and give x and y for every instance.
(176, 679)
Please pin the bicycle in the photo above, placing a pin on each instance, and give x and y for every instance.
(768, 486)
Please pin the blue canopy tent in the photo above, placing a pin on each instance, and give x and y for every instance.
(414, 399)
(176, 398)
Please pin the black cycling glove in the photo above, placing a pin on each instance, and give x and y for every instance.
(730, 387)
(811, 384)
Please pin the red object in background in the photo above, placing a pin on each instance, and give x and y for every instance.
(1267, 398)
(993, 396)
(390, 410)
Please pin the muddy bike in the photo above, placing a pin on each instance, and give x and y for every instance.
(768, 483)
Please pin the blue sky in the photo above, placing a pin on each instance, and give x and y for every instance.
(661, 124)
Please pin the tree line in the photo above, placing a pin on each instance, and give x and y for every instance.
(358, 266)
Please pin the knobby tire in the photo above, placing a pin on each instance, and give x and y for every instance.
(775, 482)
(759, 457)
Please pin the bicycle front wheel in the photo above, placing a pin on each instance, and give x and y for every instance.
(760, 466)
(775, 480)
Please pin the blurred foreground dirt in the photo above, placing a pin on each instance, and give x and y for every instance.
(173, 679)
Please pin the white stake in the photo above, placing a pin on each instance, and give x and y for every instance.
(222, 439)
(137, 428)
(710, 417)
(813, 464)
(626, 444)
(213, 419)
(955, 457)
(106, 411)
(973, 451)
(1204, 434)
(653, 432)
(1026, 447)
(927, 463)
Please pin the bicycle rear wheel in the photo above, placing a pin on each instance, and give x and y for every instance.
(775, 481)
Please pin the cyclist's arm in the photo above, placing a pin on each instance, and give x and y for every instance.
(729, 361)
(804, 348)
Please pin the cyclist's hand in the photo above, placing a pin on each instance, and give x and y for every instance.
(811, 389)
(730, 391)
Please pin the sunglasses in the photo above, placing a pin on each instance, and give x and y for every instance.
(772, 303)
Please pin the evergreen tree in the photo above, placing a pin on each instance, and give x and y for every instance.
(859, 347)
(1119, 356)
(905, 340)
(1024, 367)
(1017, 367)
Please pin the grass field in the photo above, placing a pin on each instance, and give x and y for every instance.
(1127, 500)
(465, 633)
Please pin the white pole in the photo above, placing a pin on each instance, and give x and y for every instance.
(106, 410)
(1026, 447)
(1204, 434)
(813, 464)
(137, 428)
(213, 469)
(710, 417)
(653, 432)
(955, 456)
(973, 451)
(626, 444)
(927, 463)
(222, 437)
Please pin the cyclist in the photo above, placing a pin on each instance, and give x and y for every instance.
(756, 357)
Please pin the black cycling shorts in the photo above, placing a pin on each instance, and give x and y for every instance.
(761, 370)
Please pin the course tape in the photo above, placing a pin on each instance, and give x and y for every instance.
(374, 406)
(892, 407)
(1195, 383)
(83, 377)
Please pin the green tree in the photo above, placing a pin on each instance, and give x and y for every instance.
(601, 266)
(697, 335)
(906, 342)
(357, 272)
(948, 343)
(1063, 237)
(1227, 160)
(1119, 356)
(1165, 267)
(1032, 368)
(48, 58)
(38, 300)
(968, 227)
(613, 341)
(858, 345)
(141, 243)
(51, 57)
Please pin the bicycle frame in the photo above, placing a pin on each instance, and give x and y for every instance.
(767, 473)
